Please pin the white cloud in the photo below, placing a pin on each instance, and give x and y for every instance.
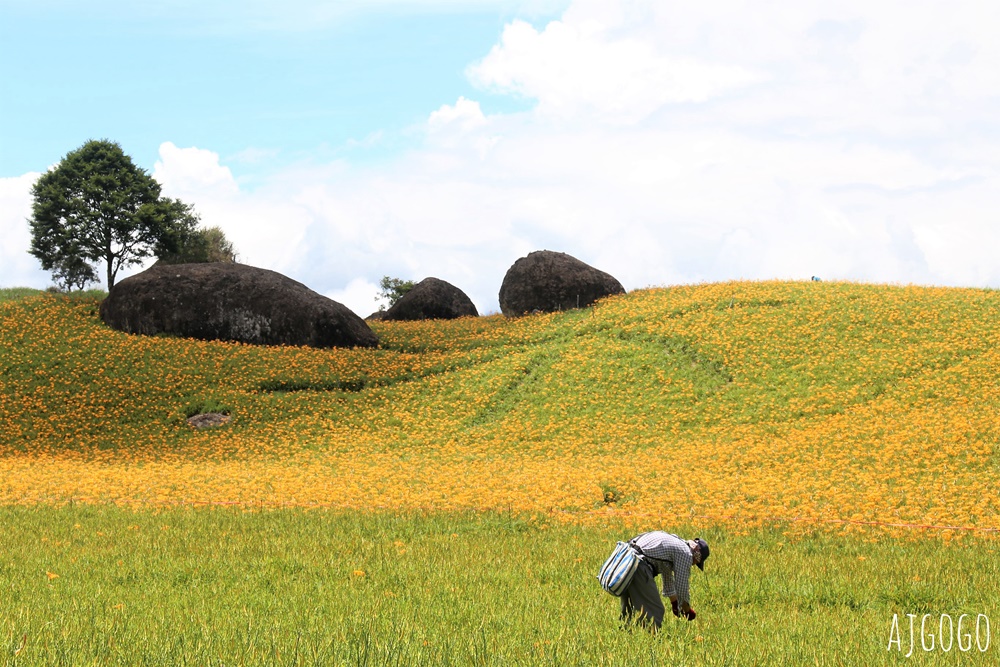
(360, 295)
(339, 230)
(186, 171)
(267, 231)
(669, 143)
(574, 69)
(450, 126)
(466, 114)
(19, 269)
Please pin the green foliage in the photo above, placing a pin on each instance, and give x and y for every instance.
(392, 290)
(190, 244)
(151, 584)
(17, 293)
(181, 239)
(72, 272)
(220, 249)
(97, 206)
(90, 296)
(107, 585)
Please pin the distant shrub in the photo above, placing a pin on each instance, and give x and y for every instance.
(392, 290)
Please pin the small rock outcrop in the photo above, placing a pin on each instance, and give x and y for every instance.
(432, 299)
(225, 301)
(547, 281)
(208, 420)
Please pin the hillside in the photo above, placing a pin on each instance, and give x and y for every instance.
(734, 403)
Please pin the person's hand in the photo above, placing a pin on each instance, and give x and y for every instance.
(674, 608)
(691, 615)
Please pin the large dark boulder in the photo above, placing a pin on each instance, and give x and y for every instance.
(547, 281)
(225, 301)
(431, 299)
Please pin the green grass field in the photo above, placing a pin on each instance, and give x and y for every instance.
(448, 498)
(18, 293)
(15, 293)
(105, 586)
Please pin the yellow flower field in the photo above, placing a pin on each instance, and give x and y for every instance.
(826, 406)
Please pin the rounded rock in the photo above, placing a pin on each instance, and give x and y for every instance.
(432, 299)
(235, 302)
(546, 281)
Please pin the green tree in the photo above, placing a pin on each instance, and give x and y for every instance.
(73, 272)
(180, 239)
(220, 249)
(97, 206)
(187, 243)
(392, 290)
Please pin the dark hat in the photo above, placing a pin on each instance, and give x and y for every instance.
(703, 547)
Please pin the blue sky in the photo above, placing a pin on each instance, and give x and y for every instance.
(664, 142)
(265, 81)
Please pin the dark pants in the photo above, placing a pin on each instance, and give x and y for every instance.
(642, 598)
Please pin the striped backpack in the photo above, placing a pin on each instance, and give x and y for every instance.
(616, 573)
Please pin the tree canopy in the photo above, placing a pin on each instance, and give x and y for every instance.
(187, 243)
(97, 206)
(392, 290)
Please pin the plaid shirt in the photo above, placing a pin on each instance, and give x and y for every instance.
(671, 558)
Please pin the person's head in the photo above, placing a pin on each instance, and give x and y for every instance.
(699, 552)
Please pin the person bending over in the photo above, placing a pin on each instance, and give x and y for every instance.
(670, 557)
